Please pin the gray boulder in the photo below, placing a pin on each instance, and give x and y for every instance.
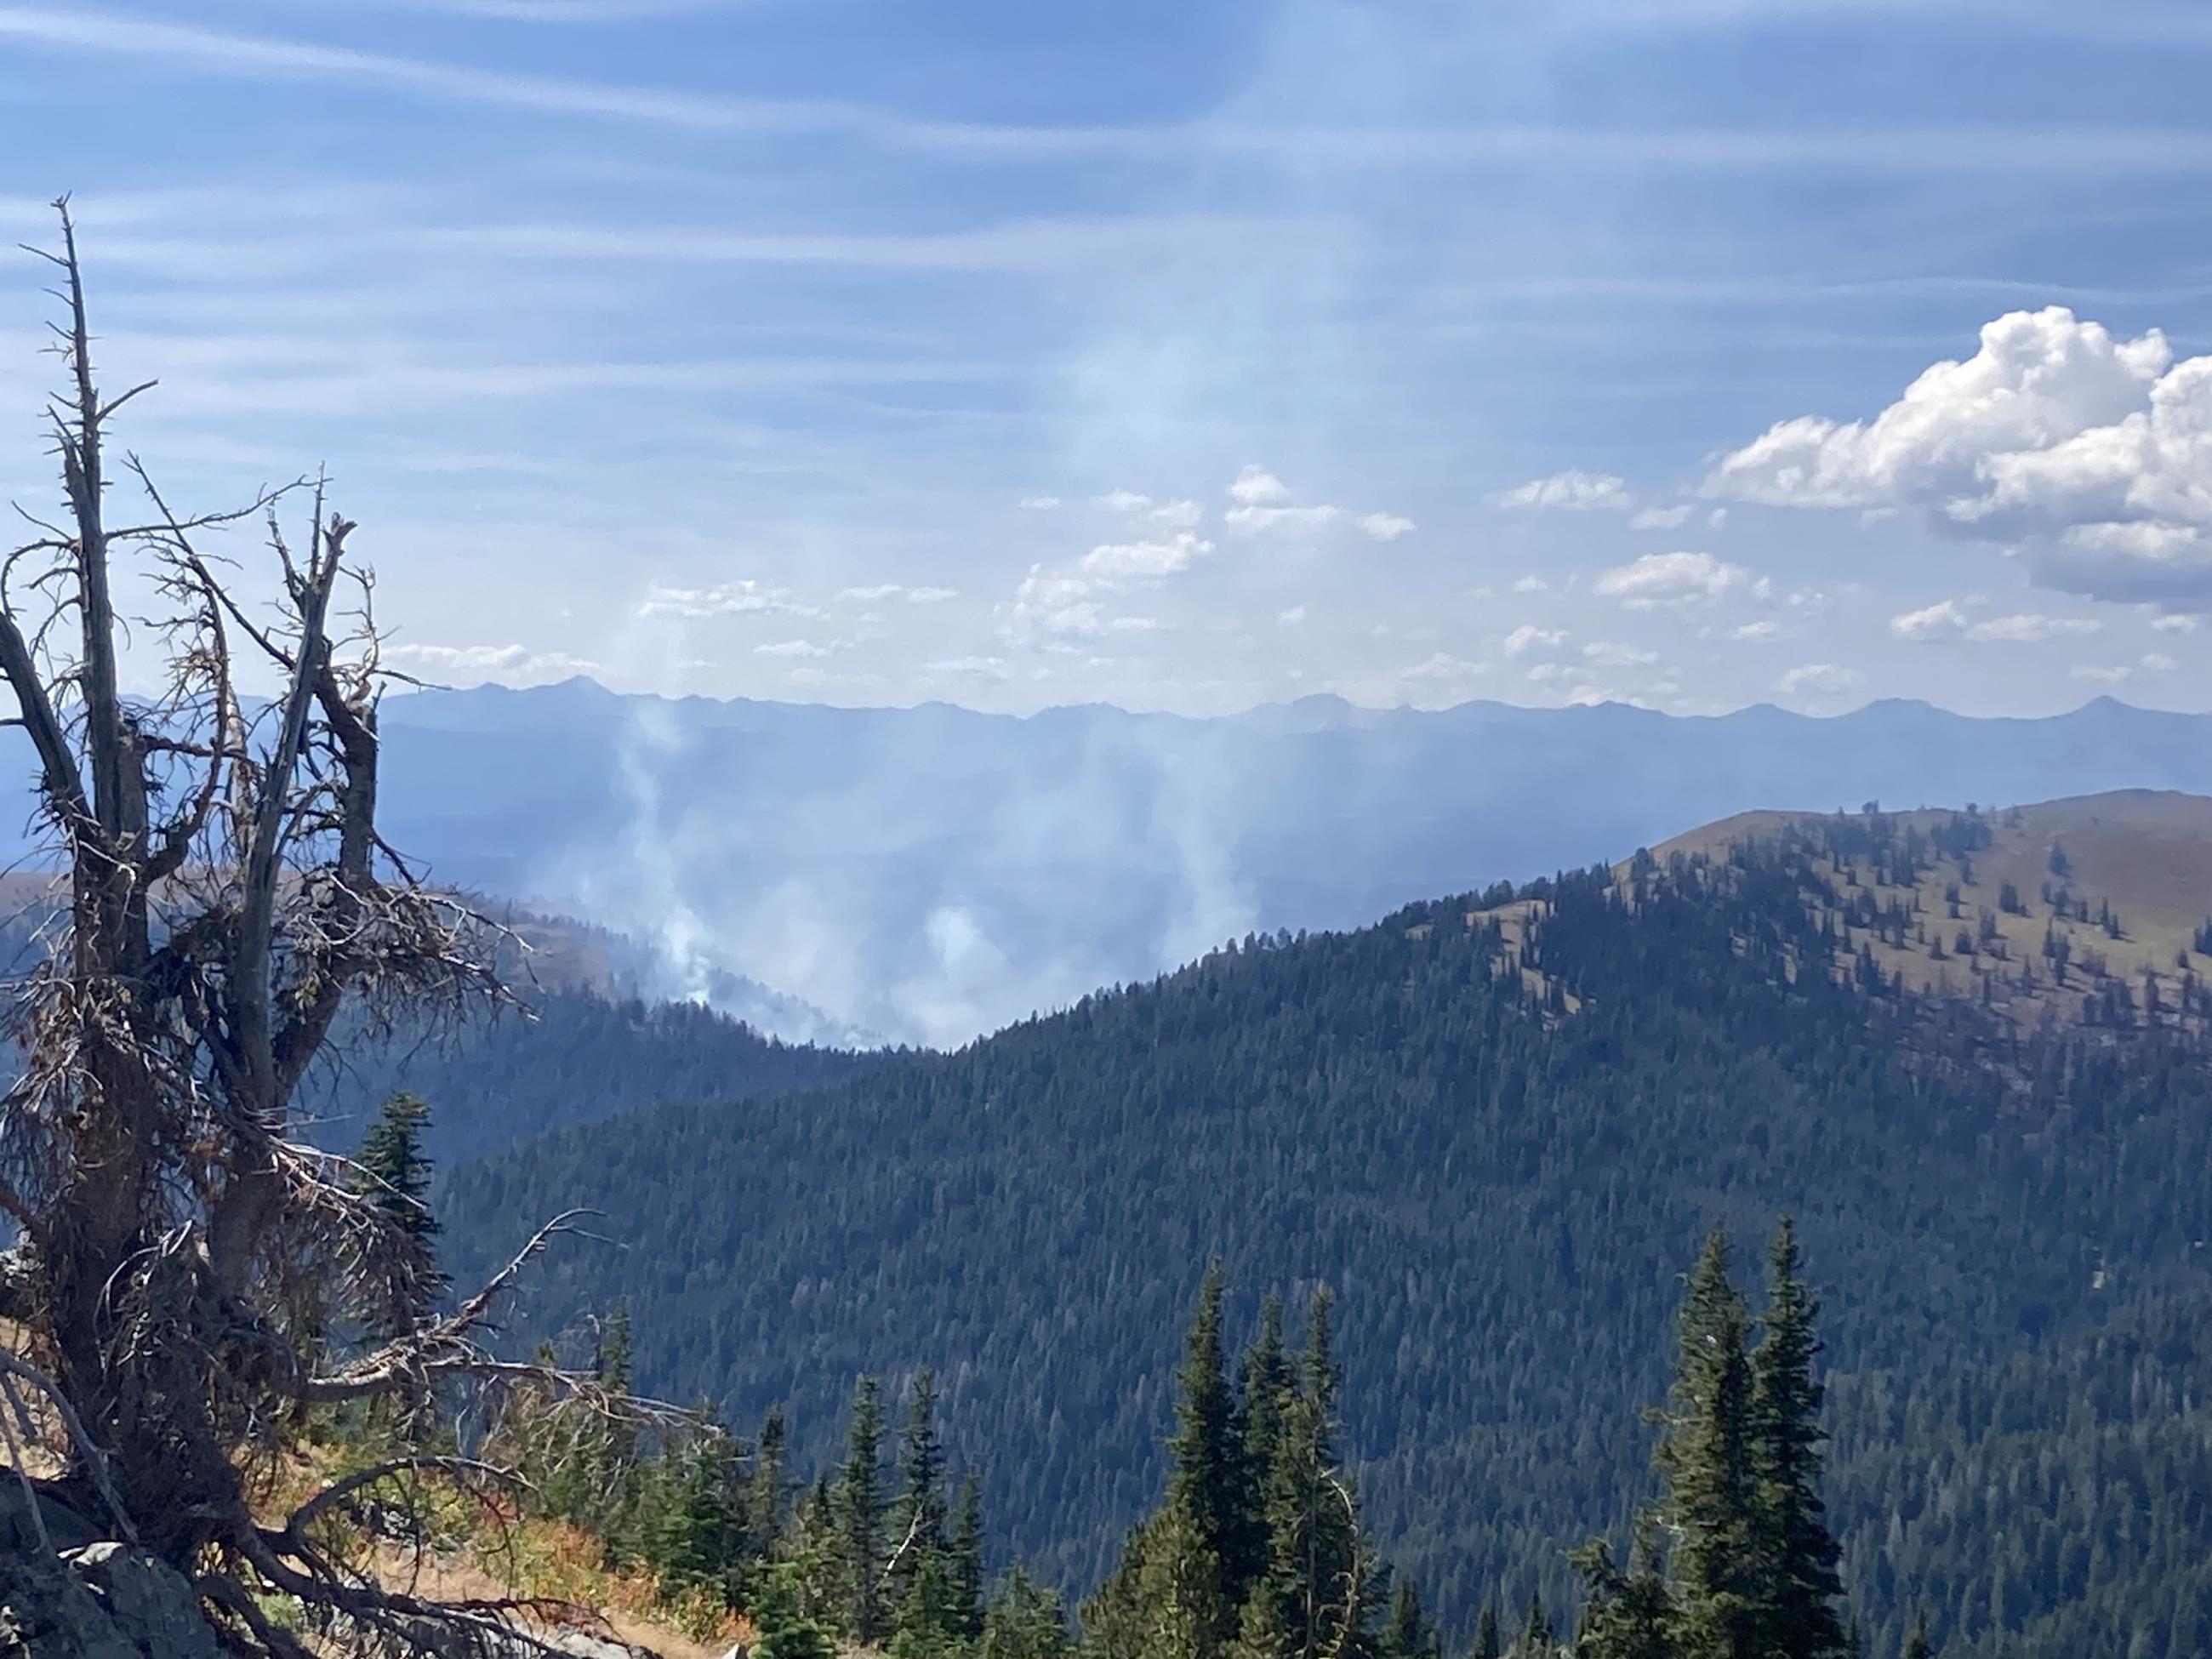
(97, 1601)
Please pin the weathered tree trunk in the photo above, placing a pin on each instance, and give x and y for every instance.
(170, 1223)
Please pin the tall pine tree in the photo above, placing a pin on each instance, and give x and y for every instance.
(1798, 1556)
(964, 1553)
(917, 1525)
(1208, 1476)
(394, 1176)
(859, 1515)
(765, 1494)
(1705, 1458)
(1265, 1386)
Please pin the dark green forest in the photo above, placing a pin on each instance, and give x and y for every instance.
(1258, 1547)
(1500, 1174)
(565, 1057)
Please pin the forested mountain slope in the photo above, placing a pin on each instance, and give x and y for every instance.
(568, 1056)
(1499, 1172)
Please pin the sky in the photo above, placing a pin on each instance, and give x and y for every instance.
(1184, 355)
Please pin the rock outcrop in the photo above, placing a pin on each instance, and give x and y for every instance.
(96, 1601)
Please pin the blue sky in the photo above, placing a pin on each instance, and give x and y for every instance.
(1179, 356)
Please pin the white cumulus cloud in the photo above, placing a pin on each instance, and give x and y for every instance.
(1262, 503)
(2088, 452)
(1659, 579)
(1070, 602)
(1938, 621)
(1528, 637)
(1661, 517)
(1386, 526)
(1825, 679)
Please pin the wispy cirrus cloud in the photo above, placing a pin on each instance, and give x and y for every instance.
(1891, 147)
(876, 592)
(473, 664)
(747, 597)
(218, 52)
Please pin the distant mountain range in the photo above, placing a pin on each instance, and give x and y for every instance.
(930, 873)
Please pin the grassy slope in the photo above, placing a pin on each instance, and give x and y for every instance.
(2148, 853)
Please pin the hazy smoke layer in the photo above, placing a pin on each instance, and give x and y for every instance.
(929, 874)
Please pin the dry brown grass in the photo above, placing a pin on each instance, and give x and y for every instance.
(2148, 853)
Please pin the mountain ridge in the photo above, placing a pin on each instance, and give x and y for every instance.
(925, 875)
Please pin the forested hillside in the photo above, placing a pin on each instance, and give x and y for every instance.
(1500, 1171)
(568, 1056)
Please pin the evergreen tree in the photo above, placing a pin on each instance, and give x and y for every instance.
(1264, 1389)
(1627, 1614)
(1798, 1557)
(1406, 1634)
(764, 1495)
(392, 1173)
(1489, 1641)
(1179, 1590)
(917, 1523)
(1705, 1462)
(1208, 1477)
(1316, 1557)
(924, 1627)
(859, 1513)
(1025, 1621)
(691, 1524)
(611, 1353)
(1263, 1629)
(1537, 1639)
(1114, 1620)
(818, 1554)
(784, 1628)
(964, 1555)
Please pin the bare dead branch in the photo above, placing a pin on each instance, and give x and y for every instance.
(95, 1460)
(462, 1470)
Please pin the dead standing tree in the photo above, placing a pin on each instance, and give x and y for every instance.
(227, 895)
